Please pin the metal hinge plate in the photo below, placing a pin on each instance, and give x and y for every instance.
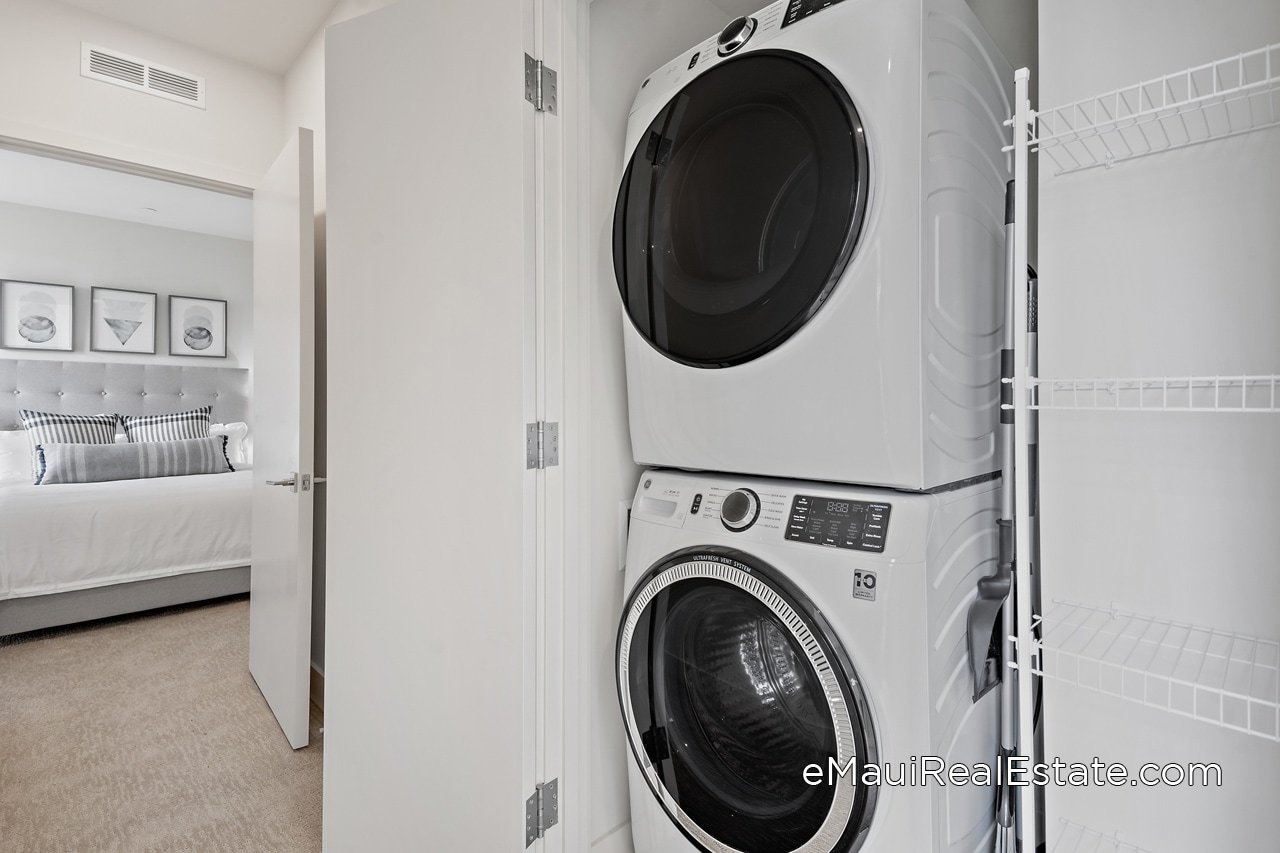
(541, 445)
(541, 811)
(539, 85)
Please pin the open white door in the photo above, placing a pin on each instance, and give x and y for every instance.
(284, 424)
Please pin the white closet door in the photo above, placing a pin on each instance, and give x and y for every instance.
(284, 433)
(432, 552)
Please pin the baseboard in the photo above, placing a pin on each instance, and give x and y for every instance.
(317, 688)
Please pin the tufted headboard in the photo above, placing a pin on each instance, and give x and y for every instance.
(90, 388)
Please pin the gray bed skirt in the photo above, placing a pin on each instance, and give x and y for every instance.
(18, 615)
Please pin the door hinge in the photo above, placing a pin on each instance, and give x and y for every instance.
(541, 811)
(542, 445)
(539, 85)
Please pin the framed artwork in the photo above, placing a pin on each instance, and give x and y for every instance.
(197, 326)
(37, 316)
(122, 320)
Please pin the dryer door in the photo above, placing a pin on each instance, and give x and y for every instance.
(731, 685)
(740, 208)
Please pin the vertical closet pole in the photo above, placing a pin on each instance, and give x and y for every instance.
(1007, 829)
(1022, 483)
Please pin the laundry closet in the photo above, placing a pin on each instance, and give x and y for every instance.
(805, 501)
(830, 390)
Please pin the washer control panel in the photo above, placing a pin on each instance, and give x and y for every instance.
(837, 523)
(798, 10)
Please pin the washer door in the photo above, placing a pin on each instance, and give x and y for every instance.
(740, 208)
(730, 686)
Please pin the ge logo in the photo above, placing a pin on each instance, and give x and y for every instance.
(864, 585)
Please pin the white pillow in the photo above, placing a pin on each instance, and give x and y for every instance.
(237, 444)
(15, 457)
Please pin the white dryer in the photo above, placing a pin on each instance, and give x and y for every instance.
(808, 243)
(770, 625)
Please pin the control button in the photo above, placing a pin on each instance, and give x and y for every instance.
(694, 60)
(734, 36)
(740, 509)
(697, 504)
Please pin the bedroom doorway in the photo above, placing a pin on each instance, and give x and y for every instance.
(103, 257)
(146, 635)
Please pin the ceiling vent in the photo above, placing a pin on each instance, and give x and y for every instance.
(111, 66)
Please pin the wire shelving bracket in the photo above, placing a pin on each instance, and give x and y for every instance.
(1221, 99)
(1227, 679)
(1255, 394)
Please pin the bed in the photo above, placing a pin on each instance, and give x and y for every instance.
(74, 552)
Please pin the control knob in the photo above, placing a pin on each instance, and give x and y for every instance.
(735, 35)
(740, 510)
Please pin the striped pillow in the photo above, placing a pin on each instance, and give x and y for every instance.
(98, 463)
(55, 428)
(177, 426)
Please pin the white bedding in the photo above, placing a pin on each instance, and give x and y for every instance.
(59, 538)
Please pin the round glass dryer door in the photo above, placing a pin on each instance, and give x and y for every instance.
(730, 687)
(740, 208)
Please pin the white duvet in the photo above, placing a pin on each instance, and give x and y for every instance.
(57, 538)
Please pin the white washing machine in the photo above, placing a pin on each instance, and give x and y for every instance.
(771, 625)
(808, 243)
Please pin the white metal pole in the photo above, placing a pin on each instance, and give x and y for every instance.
(1022, 125)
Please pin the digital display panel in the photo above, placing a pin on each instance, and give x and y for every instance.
(855, 525)
(798, 10)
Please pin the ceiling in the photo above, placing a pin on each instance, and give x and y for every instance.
(60, 185)
(268, 34)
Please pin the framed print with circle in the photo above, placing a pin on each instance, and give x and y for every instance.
(37, 316)
(197, 326)
(122, 320)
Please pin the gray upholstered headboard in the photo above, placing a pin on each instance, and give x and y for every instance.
(90, 388)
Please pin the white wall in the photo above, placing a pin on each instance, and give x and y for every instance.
(304, 86)
(45, 100)
(38, 244)
(629, 39)
(1167, 265)
(304, 107)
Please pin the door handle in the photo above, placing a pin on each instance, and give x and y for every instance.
(291, 483)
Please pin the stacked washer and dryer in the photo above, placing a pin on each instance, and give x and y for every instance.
(809, 247)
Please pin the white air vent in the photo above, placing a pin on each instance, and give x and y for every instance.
(111, 66)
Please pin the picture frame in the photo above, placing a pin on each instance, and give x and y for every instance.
(122, 321)
(197, 327)
(37, 316)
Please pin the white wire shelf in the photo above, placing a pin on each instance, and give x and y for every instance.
(1072, 837)
(1225, 98)
(1254, 394)
(1218, 677)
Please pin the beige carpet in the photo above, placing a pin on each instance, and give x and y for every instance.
(148, 734)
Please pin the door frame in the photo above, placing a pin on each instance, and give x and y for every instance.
(575, 617)
(561, 717)
(128, 167)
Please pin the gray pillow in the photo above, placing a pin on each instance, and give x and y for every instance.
(174, 426)
(97, 463)
(56, 428)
